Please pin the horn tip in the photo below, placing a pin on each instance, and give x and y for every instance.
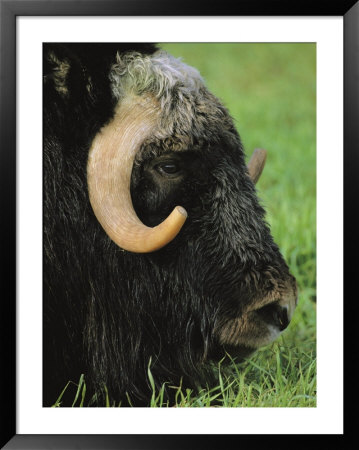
(182, 211)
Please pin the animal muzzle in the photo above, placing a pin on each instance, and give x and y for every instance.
(263, 321)
(278, 314)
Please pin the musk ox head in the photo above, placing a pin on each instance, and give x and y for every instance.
(156, 246)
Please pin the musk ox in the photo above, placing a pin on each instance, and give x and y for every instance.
(155, 244)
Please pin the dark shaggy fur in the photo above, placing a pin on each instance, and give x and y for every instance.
(108, 311)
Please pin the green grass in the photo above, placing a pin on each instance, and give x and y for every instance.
(270, 91)
(281, 375)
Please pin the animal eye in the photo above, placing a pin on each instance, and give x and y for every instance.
(168, 168)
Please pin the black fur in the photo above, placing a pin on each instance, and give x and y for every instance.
(108, 311)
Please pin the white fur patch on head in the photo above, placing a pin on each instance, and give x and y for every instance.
(157, 74)
(188, 111)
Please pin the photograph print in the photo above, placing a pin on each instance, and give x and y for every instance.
(179, 225)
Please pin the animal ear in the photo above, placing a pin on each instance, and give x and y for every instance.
(256, 164)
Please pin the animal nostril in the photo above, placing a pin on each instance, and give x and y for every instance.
(282, 318)
(274, 314)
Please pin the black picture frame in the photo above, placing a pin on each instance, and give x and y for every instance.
(9, 10)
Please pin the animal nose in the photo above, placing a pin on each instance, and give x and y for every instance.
(275, 315)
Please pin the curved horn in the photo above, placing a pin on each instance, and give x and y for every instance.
(109, 174)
